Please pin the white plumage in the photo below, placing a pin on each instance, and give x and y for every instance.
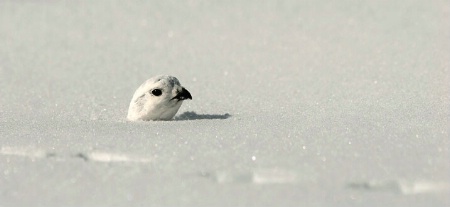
(158, 98)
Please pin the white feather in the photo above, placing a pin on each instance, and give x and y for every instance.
(146, 106)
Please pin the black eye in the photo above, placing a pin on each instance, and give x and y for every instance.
(156, 92)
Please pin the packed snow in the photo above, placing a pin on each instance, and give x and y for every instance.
(296, 103)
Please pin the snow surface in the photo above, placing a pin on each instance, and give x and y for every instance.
(295, 103)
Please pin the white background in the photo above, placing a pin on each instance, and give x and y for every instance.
(295, 103)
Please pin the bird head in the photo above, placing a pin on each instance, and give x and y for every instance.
(158, 98)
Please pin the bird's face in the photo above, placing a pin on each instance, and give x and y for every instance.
(159, 98)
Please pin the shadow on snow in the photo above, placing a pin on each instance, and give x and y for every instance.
(190, 115)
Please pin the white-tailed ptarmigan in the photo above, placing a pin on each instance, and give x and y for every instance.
(158, 98)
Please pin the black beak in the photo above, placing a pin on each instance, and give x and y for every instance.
(183, 95)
